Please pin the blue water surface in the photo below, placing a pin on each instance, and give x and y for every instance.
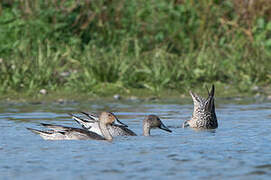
(239, 149)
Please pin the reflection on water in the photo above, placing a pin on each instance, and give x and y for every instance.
(239, 148)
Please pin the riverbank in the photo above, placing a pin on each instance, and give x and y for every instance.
(112, 93)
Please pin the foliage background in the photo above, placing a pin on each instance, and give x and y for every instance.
(115, 46)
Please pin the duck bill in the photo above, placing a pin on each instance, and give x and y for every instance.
(163, 127)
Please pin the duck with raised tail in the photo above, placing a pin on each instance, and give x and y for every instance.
(204, 116)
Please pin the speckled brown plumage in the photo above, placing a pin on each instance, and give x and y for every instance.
(204, 116)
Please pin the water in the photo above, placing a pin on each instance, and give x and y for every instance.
(238, 149)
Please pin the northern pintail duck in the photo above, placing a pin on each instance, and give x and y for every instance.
(204, 116)
(151, 122)
(58, 132)
(91, 124)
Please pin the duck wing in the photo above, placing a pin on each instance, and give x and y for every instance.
(59, 132)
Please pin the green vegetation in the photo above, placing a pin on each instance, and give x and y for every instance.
(103, 47)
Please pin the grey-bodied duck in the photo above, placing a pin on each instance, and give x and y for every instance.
(58, 132)
(91, 124)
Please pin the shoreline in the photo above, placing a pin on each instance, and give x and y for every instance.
(62, 96)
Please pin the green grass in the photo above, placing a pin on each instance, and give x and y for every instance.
(152, 47)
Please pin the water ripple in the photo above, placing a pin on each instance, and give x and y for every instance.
(239, 148)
